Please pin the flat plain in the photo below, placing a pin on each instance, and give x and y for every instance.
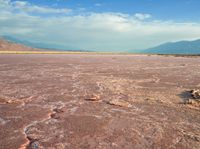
(98, 101)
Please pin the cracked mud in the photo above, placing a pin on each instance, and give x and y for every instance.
(98, 102)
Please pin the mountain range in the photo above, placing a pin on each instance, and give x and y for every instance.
(40, 45)
(6, 45)
(181, 47)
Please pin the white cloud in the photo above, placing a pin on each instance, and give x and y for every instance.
(27, 7)
(94, 31)
(20, 4)
(142, 16)
(98, 4)
(5, 4)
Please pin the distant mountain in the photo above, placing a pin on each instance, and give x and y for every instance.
(11, 46)
(181, 47)
(39, 45)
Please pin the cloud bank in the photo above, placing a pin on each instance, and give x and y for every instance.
(89, 30)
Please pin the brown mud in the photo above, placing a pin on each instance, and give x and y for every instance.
(98, 102)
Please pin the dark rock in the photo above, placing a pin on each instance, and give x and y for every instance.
(195, 93)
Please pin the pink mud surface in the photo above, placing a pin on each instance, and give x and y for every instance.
(43, 106)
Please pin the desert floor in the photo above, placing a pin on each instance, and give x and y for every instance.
(46, 101)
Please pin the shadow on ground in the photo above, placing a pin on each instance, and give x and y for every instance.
(185, 96)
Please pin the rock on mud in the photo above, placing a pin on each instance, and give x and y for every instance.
(93, 97)
(119, 103)
(195, 93)
(195, 100)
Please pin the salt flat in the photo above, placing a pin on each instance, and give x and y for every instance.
(44, 101)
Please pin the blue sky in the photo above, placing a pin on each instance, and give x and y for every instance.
(181, 10)
(109, 25)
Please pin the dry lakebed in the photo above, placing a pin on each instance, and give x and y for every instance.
(99, 101)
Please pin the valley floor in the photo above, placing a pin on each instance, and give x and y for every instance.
(91, 101)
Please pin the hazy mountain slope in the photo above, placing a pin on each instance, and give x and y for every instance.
(40, 45)
(11, 46)
(181, 47)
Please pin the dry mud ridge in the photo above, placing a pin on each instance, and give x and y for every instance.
(98, 102)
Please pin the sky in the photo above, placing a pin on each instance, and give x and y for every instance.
(101, 25)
